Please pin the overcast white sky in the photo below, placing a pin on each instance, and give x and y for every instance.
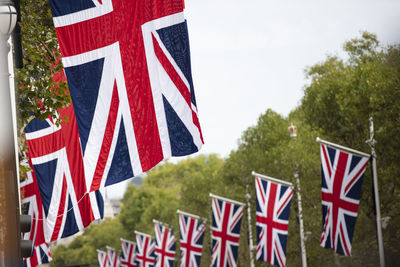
(248, 56)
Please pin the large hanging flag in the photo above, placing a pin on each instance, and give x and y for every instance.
(129, 74)
(128, 256)
(225, 231)
(113, 257)
(342, 177)
(144, 250)
(41, 255)
(272, 220)
(102, 258)
(165, 246)
(191, 243)
(56, 157)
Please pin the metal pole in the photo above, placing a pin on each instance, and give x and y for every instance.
(303, 247)
(251, 246)
(293, 134)
(371, 142)
(10, 235)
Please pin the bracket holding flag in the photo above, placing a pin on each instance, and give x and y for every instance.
(353, 151)
(272, 179)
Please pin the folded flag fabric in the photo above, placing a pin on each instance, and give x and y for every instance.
(129, 74)
(41, 255)
(342, 177)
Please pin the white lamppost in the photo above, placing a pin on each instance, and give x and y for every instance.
(293, 134)
(10, 235)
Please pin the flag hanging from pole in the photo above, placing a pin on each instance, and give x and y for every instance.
(272, 220)
(55, 154)
(144, 250)
(225, 231)
(102, 258)
(128, 256)
(192, 234)
(342, 177)
(129, 74)
(165, 245)
(113, 257)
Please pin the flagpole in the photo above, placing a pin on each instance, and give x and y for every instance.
(251, 246)
(293, 135)
(371, 142)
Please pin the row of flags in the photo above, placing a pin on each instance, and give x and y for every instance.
(342, 175)
(161, 251)
(128, 70)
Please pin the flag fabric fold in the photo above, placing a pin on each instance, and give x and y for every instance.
(225, 231)
(342, 177)
(191, 243)
(41, 255)
(144, 250)
(128, 256)
(56, 158)
(129, 74)
(165, 245)
(272, 220)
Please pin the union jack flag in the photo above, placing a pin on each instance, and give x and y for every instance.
(225, 231)
(113, 257)
(272, 220)
(129, 75)
(56, 158)
(128, 256)
(342, 177)
(41, 255)
(102, 258)
(192, 234)
(144, 250)
(165, 245)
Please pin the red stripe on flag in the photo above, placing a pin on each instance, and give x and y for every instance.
(41, 146)
(107, 140)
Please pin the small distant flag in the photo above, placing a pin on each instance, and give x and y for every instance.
(225, 231)
(144, 250)
(165, 246)
(102, 258)
(113, 257)
(342, 177)
(272, 220)
(128, 256)
(192, 230)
